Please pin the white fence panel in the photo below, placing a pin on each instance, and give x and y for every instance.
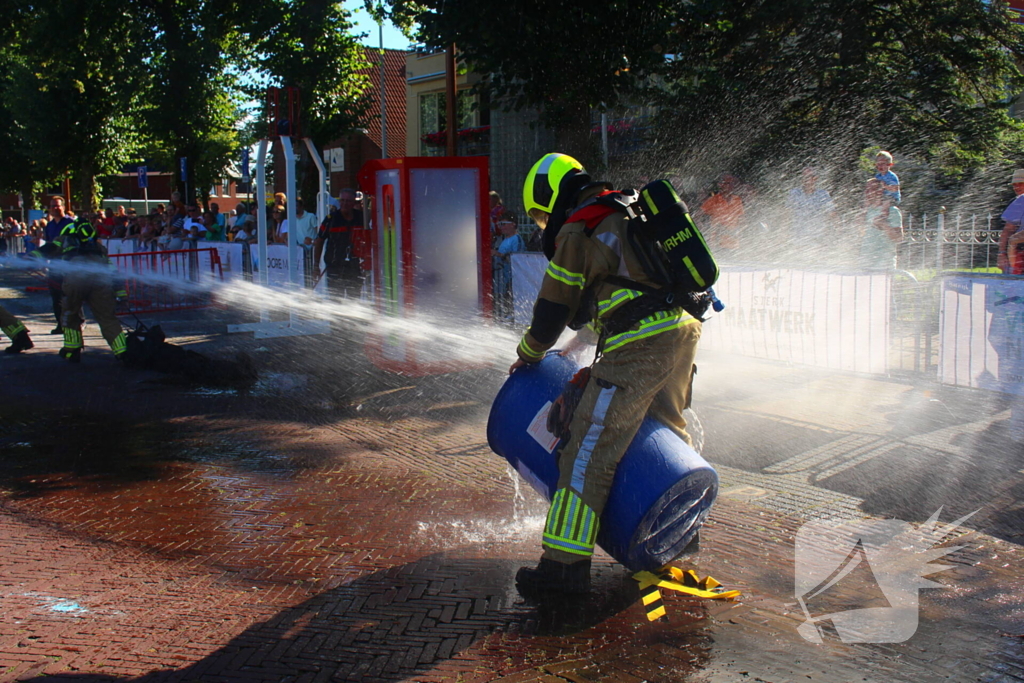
(830, 320)
(982, 333)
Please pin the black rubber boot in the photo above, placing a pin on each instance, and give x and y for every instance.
(57, 330)
(73, 355)
(555, 577)
(21, 342)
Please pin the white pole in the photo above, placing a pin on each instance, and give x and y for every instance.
(261, 215)
(322, 194)
(289, 182)
(383, 99)
(145, 198)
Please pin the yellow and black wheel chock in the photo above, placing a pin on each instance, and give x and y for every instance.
(675, 579)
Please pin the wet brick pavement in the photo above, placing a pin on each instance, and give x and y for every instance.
(154, 532)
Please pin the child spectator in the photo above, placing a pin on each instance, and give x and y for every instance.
(724, 211)
(883, 228)
(891, 184)
(149, 230)
(511, 243)
(105, 224)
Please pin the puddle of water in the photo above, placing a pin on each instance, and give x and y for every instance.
(458, 532)
(268, 385)
(526, 524)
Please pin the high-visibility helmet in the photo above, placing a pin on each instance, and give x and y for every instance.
(540, 191)
(80, 228)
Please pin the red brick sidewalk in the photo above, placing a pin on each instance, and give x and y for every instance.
(150, 532)
(384, 550)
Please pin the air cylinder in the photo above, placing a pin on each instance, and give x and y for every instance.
(662, 491)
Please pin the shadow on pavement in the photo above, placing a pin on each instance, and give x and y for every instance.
(971, 470)
(409, 619)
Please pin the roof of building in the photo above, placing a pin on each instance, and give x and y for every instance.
(394, 85)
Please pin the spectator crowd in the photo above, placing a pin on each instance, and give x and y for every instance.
(804, 226)
(172, 226)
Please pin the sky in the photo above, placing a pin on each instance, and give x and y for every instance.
(393, 38)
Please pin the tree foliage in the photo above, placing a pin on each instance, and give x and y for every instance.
(193, 44)
(90, 86)
(753, 79)
(829, 78)
(72, 94)
(310, 46)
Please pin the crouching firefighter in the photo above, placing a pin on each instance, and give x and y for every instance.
(600, 271)
(16, 330)
(89, 278)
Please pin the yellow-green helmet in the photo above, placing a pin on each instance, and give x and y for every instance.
(80, 228)
(540, 191)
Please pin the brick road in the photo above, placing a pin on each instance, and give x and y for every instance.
(155, 532)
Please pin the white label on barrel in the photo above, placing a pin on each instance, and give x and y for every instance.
(538, 429)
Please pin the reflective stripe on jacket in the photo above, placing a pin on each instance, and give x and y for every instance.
(582, 262)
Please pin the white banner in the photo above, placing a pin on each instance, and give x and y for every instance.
(277, 264)
(231, 258)
(121, 246)
(981, 333)
(829, 320)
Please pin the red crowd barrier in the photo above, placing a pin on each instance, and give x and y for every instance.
(146, 276)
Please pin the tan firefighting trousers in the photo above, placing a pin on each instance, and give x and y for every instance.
(97, 291)
(9, 324)
(650, 375)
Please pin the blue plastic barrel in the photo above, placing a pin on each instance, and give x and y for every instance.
(662, 491)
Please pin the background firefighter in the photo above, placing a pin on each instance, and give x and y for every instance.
(646, 366)
(90, 281)
(335, 241)
(16, 330)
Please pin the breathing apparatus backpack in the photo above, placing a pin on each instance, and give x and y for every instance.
(671, 240)
(671, 250)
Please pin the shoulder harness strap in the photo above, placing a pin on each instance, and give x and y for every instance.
(596, 209)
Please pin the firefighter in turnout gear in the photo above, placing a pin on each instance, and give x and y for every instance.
(14, 329)
(646, 366)
(91, 282)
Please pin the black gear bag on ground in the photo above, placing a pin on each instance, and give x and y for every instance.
(147, 349)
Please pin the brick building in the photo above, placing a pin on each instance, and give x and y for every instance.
(346, 155)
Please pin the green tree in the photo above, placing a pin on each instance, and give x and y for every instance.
(753, 82)
(73, 92)
(562, 58)
(20, 171)
(309, 45)
(195, 49)
(741, 83)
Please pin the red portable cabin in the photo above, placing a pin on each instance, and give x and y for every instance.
(430, 251)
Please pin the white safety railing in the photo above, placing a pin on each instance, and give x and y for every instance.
(949, 242)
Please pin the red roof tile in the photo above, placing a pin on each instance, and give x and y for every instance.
(394, 83)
